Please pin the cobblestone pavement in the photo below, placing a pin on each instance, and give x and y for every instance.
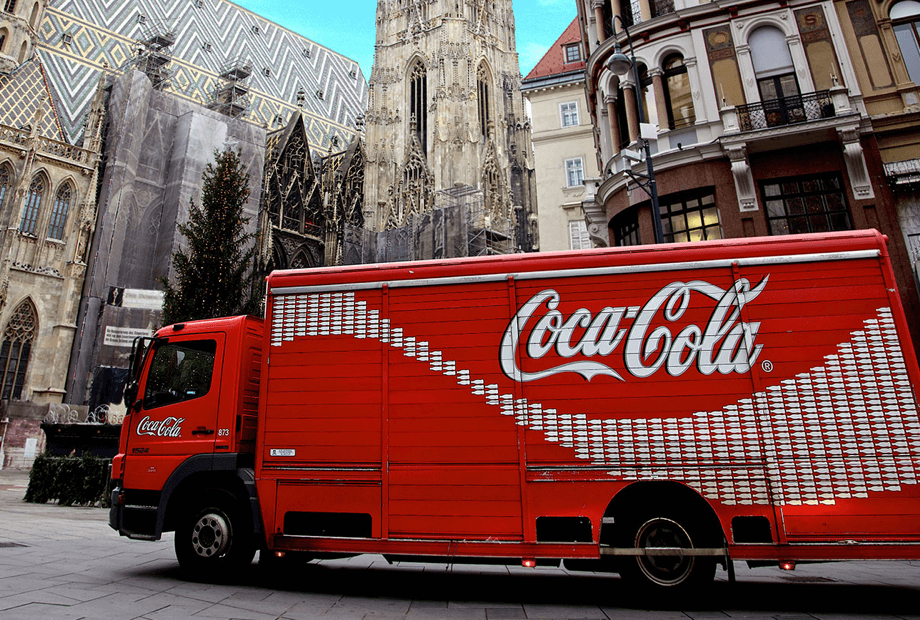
(65, 563)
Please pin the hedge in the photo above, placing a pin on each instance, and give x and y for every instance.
(71, 480)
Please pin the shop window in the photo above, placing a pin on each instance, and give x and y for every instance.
(806, 205)
(15, 349)
(625, 227)
(690, 217)
(677, 93)
(905, 17)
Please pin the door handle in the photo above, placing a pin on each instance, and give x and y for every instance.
(203, 431)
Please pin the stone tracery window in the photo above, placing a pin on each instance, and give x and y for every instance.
(4, 182)
(418, 102)
(482, 89)
(15, 349)
(33, 203)
(59, 212)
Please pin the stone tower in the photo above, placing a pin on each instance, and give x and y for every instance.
(446, 117)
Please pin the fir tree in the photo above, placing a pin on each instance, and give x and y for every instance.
(213, 275)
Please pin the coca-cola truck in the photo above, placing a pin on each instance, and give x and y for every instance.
(653, 411)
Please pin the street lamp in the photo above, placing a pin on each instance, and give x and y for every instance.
(619, 64)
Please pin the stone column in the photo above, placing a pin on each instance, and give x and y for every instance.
(661, 105)
(800, 63)
(746, 68)
(611, 102)
(632, 113)
(645, 10)
(599, 20)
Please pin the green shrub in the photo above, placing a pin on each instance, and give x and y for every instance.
(72, 480)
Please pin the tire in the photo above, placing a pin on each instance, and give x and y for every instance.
(666, 572)
(214, 539)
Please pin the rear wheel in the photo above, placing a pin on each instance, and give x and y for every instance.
(666, 572)
(213, 539)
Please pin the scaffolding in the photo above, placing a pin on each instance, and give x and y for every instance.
(487, 235)
(231, 96)
(153, 56)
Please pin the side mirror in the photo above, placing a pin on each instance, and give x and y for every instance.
(131, 394)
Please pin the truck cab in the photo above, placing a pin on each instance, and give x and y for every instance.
(188, 440)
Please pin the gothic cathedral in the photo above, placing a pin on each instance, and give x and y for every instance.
(445, 128)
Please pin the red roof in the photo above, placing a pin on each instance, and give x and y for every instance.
(553, 62)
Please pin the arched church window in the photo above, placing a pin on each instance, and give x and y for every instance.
(482, 85)
(905, 17)
(2, 41)
(15, 349)
(10, 6)
(33, 203)
(418, 102)
(23, 51)
(59, 213)
(4, 182)
(677, 93)
(33, 19)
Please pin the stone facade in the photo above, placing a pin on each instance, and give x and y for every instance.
(445, 110)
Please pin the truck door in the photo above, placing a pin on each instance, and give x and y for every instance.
(177, 415)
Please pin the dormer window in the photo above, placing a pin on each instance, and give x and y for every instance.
(572, 53)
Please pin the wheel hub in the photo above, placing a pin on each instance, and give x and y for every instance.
(665, 570)
(210, 535)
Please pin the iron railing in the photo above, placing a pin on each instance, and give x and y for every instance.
(787, 111)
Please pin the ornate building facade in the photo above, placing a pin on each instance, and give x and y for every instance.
(47, 214)
(445, 118)
(765, 117)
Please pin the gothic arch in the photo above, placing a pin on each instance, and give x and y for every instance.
(33, 19)
(7, 180)
(417, 105)
(19, 334)
(61, 206)
(485, 96)
(36, 196)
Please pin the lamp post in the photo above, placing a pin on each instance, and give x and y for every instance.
(619, 64)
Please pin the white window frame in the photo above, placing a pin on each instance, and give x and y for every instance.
(574, 165)
(568, 107)
(578, 235)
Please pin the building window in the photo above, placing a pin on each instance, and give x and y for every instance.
(67, 38)
(572, 53)
(10, 6)
(806, 205)
(690, 217)
(4, 183)
(569, 113)
(256, 30)
(59, 213)
(625, 228)
(14, 352)
(677, 93)
(578, 235)
(574, 172)
(482, 81)
(33, 202)
(418, 103)
(905, 16)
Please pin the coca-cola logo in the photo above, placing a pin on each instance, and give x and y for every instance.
(167, 427)
(652, 336)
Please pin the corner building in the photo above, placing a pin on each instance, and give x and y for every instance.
(765, 117)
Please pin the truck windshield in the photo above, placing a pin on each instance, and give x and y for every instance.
(180, 371)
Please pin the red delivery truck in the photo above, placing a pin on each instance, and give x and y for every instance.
(653, 411)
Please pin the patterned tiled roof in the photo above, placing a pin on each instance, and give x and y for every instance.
(209, 36)
(23, 90)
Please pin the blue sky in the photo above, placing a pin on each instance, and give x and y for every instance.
(347, 26)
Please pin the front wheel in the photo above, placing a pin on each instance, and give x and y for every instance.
(666, 572)
(214, 539)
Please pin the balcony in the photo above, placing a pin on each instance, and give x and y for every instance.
(787, 111)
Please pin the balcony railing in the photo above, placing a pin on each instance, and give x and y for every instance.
(46, 146)
(786, 111)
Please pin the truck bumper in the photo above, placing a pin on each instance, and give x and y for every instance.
(135, 521)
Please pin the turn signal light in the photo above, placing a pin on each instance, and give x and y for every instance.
(787, 565)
